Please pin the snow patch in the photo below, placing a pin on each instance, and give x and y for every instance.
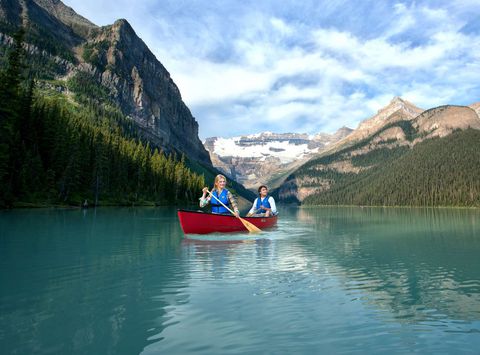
(283, 150)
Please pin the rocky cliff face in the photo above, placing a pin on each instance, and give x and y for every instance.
(443, 120)
(397, 110)
(142, 87)
(476, 108)
(117, 59)
(262, 158)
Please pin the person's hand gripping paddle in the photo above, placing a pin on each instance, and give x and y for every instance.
(250, 226)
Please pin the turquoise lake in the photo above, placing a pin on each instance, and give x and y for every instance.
(325, 280)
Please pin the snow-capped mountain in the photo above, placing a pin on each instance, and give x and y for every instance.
(258, 158)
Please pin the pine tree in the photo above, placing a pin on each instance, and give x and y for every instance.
(10, 78)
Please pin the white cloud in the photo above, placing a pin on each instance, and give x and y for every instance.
(203, 82)
(282, 27)
(403, 21)
(251, 67)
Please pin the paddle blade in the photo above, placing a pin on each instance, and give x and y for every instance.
(252, 228)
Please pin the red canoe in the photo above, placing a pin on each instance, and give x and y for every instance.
(198, 222)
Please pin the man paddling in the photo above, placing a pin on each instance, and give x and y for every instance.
(264, 205)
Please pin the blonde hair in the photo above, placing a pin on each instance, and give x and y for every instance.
(217, 179)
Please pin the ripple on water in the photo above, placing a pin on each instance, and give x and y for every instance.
(336, 280)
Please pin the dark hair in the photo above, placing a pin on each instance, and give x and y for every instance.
(261, 187)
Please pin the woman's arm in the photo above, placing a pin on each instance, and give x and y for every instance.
(232, 202)
(204, 199)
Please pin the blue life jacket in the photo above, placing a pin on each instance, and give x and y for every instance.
(263, 203)
(216, 206)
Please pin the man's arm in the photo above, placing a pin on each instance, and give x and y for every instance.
(272, 205)
(252, 210)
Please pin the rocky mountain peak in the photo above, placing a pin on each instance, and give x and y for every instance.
(326, 139)
(143, 88)
(397, 100)
(119, 30)
(397, 109)
(116, 59)
(123, 28)
(342, 132)
(79, 24)
(344, 128)
(396, 104)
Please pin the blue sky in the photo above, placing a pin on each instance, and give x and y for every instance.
(305, 66)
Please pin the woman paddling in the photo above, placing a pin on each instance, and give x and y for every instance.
(264, 205)
(222, 194)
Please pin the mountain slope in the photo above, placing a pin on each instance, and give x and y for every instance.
(63, 45)
(67, 15)
(397, 110)
(352, 174)
(54, 152)
(142, 88)
(437, 172)
(107, 115)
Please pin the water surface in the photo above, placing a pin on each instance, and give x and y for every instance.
(342, 280)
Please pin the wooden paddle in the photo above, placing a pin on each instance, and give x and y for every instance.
(250, 226)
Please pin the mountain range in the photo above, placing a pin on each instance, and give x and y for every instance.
(319, 169)
(265, 157)
(403, 155)
(115, 89)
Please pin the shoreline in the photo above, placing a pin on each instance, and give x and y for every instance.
(27, 205)
(376, 206)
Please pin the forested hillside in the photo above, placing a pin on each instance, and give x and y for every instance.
(437, 172)
(53, 150)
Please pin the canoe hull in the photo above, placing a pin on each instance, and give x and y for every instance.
(197, 222)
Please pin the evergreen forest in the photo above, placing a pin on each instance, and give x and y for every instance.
(56, 149)
(436, 172)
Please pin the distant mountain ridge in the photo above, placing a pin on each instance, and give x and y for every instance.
(345, 173)
(112, 57)
(397, 109)
(260, 158)
(265, 158)
(67, 15)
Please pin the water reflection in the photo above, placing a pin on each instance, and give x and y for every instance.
(87, 281)
(418, 264)
(127, 281)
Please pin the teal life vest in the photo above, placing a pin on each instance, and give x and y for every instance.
(216, 206)
(263, 203)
